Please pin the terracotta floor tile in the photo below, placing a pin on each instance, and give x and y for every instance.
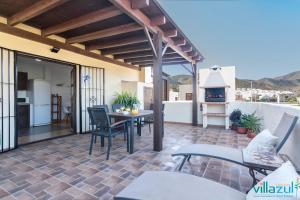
(63, 169)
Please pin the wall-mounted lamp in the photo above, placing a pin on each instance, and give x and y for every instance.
(55, 49)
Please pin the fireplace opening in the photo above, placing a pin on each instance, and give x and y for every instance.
(214, 94)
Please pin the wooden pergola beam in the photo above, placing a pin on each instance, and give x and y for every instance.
(126, 49)
(142, 19)
(150, 41)
(198, 57)
(117, 30)
(195, 96)
(117, 43)
(150, 58)
(37, 38)
(142, 54)
(96, 16)
(157, 91)
(180, 42)
(34, 10)
(172, 61)
(151, 64)
(171, 33)
(187, 48)
(138, 4)
(192, 53)
(159, 20)
(134, 55)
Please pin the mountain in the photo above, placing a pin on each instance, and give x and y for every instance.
(290, 82)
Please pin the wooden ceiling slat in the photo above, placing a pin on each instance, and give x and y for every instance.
(175, 61)
(37, 38)
(126, 49)
(34, 10)
(187, 48)
(171, 33)
(180, 42)
(138, 4)
(125, 28)
(159, 20)
(96, 16)
(141, 54)
(117, 43)
(198, 57)
(142, 19)
(192, 53)
(151, 64)
(134, 55)
(149, 58)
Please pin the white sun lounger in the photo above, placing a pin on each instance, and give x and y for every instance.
(162, 185)
(283, 131)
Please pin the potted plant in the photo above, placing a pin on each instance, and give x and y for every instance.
(235, 118)
(127, 99)
(253, 125)
(241, 129)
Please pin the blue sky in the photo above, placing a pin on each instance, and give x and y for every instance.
(260, 37)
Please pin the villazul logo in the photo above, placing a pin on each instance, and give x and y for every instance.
(264, 189)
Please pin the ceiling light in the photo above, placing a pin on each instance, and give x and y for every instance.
(37, 59)
(55, 49)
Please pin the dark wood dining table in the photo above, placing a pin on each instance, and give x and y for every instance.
(131, 119)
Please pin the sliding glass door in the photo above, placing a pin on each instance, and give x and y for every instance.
(7, 100)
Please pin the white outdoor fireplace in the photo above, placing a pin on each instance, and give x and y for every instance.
(215, 95)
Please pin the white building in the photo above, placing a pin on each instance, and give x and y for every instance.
(248, 94)
(185, 92)
(173, 96)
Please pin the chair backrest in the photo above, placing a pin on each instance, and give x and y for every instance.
(284, 129)
(66, 109)
(102, 106)
(99, 117)
(152, 107)
(116, 106)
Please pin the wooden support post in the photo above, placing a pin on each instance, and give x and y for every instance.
(195, 95)
(157, 85)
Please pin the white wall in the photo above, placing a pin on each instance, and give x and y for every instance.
(179, 111)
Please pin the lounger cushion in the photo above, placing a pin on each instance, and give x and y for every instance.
(284, 175)
(263, 139)
(210, 150)
(162, 185)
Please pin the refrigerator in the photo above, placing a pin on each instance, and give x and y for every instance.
(40, 98)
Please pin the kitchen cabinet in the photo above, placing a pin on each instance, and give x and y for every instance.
(22, 80)
(24, 116)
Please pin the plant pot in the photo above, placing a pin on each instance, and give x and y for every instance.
(234, 127)
(241, 130)
(251, 134)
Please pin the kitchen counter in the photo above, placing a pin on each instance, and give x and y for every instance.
(23, 104)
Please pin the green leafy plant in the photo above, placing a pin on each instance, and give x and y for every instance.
(127, 99)
(251, 122)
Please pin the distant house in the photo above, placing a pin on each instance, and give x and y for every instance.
(185, 92)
